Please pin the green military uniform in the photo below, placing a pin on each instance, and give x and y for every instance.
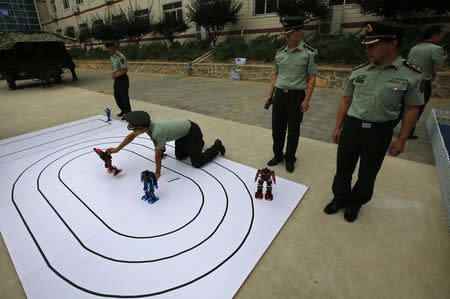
(121, 84)
(164, 130)
(427, 55)
(377, 95)
(292, 68)
(119, 62)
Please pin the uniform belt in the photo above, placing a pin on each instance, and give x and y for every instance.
(285, 90)
(371, 125)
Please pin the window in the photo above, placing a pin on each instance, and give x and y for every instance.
(341, 2)
(78, 2)
(173, 11)
(59, 31)
(53, 6)
(143, 13)
(69, 31)
(83, 26)
(265, 6)
(97, 22)
(65, 4)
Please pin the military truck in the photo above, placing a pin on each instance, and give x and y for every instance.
(32, 55)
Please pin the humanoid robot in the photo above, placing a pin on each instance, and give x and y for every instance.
(108, 114)
(108, 162)
(150, 185)
(265, 175)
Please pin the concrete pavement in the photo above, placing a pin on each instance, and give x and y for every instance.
(398, 248)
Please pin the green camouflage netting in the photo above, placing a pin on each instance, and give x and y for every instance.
(9, 38)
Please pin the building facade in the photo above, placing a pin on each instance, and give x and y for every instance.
(19, 15)
(255, 17)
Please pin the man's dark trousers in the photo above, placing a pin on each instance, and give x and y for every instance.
(358, 141)
(192, 145)
(121, 86)
(286, 114)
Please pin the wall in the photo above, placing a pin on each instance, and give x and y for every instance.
(329, 77)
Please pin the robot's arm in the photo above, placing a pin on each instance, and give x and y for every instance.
(272, 173)
(258, 173)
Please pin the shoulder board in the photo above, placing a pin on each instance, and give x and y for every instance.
(413, 66)
(361, 65)
(282, 48)
(309, 47)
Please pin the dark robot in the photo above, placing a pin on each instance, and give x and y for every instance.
(265, 175)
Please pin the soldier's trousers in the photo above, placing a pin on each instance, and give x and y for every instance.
(369, 145)
(191, 146)
(121, 86)
(286, 114)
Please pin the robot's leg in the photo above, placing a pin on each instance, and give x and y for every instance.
(153, 198)
(268, 195)
(259, 191)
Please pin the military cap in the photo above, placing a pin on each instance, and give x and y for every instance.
(109, 44)
(291, 22)
(378, 31)
(137, 119)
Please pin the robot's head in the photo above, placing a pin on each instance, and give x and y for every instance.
(137, 120)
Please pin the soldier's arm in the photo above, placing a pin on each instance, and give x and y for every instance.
(158, 158)
(344, 104)
(310, 87)
(130, 137)
(410, 114)
(273, 80)
(121, 72)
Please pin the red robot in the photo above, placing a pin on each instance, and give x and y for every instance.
(108, 162)
(265, 175)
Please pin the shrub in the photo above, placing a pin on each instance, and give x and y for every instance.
(153, 51)
(344, 48)
(187, 51)
(230, 48)
(131, 52)
(264, 47)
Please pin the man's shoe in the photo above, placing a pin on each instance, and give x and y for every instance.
(121, 114)
(274, 161)
(289, 166)
(220, 146)
(333, 206)
(351, 212)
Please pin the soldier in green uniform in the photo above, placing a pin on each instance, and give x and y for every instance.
(121, 81)
(187, 135)
(292, 84)
(430, 56)
(371, 103)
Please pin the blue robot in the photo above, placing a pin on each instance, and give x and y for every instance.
(150, 185)
(108, 114)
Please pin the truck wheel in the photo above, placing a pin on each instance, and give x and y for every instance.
(11, 84)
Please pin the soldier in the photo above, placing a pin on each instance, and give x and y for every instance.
(187, 135)
(121, 81)
(292, 84)
(366, 116)
(430, 56)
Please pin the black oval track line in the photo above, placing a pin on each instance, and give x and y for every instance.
(132, 261)
(103, 222)
(55, 130)
(25, 149)
(136, 295)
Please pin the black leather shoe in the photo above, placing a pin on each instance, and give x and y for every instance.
(351, 212)
(289, 166)
(220, 146)
(333, 206)
(274, 161)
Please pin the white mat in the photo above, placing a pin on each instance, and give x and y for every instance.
(74, 231)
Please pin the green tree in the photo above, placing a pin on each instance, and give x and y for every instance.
(104, 29)
(85, 36)
(134, 22)
(169, 28)
(310, 9)
(405, 11)
(214, 15)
